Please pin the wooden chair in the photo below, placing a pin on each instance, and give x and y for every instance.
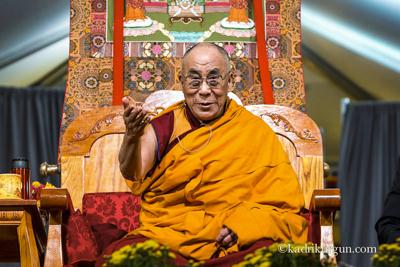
(89, 162)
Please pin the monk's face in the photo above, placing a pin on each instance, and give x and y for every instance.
(205, 82)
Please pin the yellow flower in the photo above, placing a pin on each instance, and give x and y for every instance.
(249, 256)
(255, 259)
(265, 264)
(171, 255)
(151, 244)
(49, 185)
(36, 184)
(117, 258)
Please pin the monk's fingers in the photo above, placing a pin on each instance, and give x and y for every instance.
(129, 101)
(228, 239)
(125, 102)
(136, 114)
(131, 114)
(140, 118)
(222, 234)
(145, 120)
(136, 127)
(127, 111)
(230, 244)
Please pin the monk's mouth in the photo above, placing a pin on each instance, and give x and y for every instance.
(205, 104)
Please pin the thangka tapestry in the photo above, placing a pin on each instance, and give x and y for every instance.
(158, 32)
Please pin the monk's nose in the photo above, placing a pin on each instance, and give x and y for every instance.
(204, 88)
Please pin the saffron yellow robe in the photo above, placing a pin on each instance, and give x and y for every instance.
(240, 177)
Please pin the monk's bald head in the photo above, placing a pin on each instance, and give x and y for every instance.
(201, 48)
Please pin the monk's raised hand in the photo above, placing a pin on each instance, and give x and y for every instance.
(226, 237)
(135, 117)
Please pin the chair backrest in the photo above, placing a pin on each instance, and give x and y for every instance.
(90, 147)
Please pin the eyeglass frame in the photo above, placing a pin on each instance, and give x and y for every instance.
(202, 79)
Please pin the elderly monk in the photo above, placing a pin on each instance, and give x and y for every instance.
(213, 178)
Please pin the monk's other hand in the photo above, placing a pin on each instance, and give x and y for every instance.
(135, 117)
(226, 237)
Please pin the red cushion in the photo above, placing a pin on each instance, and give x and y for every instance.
(80, 242)
(118, 208)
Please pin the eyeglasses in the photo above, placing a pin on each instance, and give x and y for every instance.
(213, 81)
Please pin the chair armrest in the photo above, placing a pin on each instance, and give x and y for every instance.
(325, 200)
(55, 201)
(324, 203)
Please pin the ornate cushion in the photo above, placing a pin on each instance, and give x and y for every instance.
(118, 208)
(80, 245)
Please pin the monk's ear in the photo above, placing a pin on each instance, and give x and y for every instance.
(180, 77)
(230, 82)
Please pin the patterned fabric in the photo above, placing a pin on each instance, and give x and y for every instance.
(80, 242)
(153, 54)
(106, 217)
(86, 239)
(120, 209)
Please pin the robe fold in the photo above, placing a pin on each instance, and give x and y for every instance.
(231, 172)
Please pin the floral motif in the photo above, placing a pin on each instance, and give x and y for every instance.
(273, 7)
(120, 209)
(99, 6)
(278, 83)
(147, 75)
(98, 41)
(107, 206)
(156, 49)
(287, 83)
(273, 42)
(236, 50)
(91, 82)
(106, 75)
(241, 76)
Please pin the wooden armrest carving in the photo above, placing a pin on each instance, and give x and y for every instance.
(54, 200)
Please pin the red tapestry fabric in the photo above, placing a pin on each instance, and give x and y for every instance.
(120, 209)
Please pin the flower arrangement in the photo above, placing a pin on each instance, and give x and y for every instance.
(146, 254)
(150, 253)
(280, 255)
(388, 255)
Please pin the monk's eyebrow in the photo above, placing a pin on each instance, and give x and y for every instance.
(214, 72)
(193, 72)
